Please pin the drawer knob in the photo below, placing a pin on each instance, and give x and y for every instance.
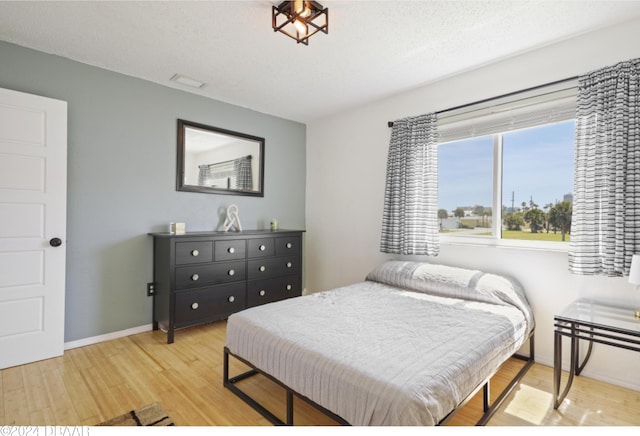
(289, 245)
(231, 250)
(263, 293)
(194, 306)
(289, 287)
(262, 268)
(232, 272)
(231, 299)
(262, 247)
(195, 277)
(195, 253)
(289, 264)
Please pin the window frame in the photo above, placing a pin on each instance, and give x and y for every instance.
(496, 240)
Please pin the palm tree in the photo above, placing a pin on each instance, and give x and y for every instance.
(547, 207)
(514, 220)
(535, 218)
(442, 214)
(459, 213)
(479, 211)
(560, 217)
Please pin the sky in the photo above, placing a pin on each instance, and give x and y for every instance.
(537, 163)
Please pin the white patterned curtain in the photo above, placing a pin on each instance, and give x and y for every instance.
(242, 172)
(410, 217)
(605, 229)
(204, 175)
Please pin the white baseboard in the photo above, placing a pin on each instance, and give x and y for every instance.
(107, 337)
(593, 374)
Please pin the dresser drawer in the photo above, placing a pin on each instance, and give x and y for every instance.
(194, 252)
(289, 245)
(210, 274)
(216, 302)
(230, 250)
(260, 247)
(273, 266)
(272, 289)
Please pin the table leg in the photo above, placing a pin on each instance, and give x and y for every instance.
(557, 367)
(580, 367)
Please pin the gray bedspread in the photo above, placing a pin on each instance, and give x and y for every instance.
(404, 347)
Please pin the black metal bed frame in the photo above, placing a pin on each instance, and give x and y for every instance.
(489, 408)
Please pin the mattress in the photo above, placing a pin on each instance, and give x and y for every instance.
(404, 347)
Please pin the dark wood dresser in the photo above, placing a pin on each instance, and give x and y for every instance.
(201, 277)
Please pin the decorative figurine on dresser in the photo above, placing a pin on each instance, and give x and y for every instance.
(200, 277)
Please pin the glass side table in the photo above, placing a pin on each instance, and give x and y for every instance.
(591, 321)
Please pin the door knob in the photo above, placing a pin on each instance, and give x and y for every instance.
(55, 242)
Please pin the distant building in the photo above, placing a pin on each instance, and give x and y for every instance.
(568, 197)
(469, 211)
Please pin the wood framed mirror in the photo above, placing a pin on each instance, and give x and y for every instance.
(219, 161)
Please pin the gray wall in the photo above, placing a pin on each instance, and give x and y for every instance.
(121, 179)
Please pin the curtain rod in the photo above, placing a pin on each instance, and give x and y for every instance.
(509, 94)
(230, 160)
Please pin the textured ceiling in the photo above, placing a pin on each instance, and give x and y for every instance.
(374, 48)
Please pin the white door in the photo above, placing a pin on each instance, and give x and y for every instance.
(33, 191)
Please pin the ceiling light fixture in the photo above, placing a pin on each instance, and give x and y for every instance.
(300, 19)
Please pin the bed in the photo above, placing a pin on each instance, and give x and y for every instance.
(407, 346)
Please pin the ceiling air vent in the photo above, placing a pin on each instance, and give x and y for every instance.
(187, 81)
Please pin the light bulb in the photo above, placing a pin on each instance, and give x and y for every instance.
(301, 8)
(300, 27)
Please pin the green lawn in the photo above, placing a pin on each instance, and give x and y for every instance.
(519, 234)
(526, 234)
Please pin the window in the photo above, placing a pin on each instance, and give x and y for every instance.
(465, 180)
(537, 181)
(505, 172)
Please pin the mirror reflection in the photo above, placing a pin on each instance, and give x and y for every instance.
(213, 160)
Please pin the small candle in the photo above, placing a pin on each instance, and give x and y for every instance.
(274, 225)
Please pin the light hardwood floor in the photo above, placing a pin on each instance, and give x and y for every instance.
(91, 384)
